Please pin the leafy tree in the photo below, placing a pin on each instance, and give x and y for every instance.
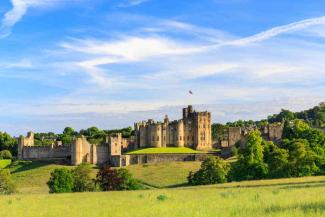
(82, 178)
(213, 170)
(8, 143)
(301, 158)
(116, 179)
(61, 181)
(277, 160)
(128, 183)
(250, 164)
(7, 186)
(5, 154)
(69, 131)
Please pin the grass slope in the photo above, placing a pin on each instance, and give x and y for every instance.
(4, 163)
(164, 175)
(31, 177)
(302, 197)
(167, 150)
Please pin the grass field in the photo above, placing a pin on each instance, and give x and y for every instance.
(301, 197)
(164, 175)
(4, 163)
(167, 150)
(31, 177)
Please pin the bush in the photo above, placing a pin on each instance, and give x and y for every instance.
(82, 178)
(7, 186)
(110, 179)
(213, 170)
(61, 181)
(5, 154)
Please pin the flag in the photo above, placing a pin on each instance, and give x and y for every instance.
(190, 92)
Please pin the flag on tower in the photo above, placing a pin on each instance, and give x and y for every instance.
(190, 92)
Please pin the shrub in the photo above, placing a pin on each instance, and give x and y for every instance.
(5, 154)
(82, 178)
(110, 179)
(61, 181)
(213, 170)
(7, 186)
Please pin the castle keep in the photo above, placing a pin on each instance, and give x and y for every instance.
(193, 131)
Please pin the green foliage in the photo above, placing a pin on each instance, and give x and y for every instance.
(162, 197)
(116, 179)
(5, 154)
(8, 143)
(250, 164)
(277, 160)
(61, 181)
(301, 158)
(7, 186)
(213, 170)
(82, 178)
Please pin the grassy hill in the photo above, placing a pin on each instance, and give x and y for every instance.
(303, 197)
(31, 177)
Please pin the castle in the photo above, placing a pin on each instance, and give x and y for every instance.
(193, 130)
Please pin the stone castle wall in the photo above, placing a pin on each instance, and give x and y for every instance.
(47, 152)
(125, 160)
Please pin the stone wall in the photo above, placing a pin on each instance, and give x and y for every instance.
(47, 152)
(234, 135)
(125, 160)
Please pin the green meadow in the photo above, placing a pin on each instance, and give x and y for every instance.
(276, 198)
(167, 196)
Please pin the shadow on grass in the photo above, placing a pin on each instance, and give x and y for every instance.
(316, 207)
(20, 166)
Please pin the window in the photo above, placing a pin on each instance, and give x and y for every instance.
(180, 138)
(153, 138)
(157, 138)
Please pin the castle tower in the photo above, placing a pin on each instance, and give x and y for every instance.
(76, 151)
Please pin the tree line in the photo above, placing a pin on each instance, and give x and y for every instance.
(300, 153)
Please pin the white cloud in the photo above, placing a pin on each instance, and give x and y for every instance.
(273, 32)
(130, 3)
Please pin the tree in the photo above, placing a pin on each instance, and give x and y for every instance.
(7, 186)
(82, 178)
(250, 164)
(5, 154)
(277, 160)
(128, 182)
(213, 170)
(8, 143)
(112, 179)
(61, 181)
(301, 159)
(69, 131)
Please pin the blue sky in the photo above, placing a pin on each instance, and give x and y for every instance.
(110, 63)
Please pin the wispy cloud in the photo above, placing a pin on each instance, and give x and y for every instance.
(130, 3)
(21, 7)
(273, 32)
